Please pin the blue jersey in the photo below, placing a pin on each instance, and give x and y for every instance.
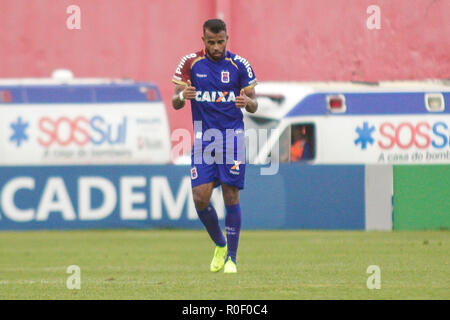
(217, 85)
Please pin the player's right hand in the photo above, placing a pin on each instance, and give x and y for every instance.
(189, 91)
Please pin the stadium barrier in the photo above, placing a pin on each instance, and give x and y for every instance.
(159, 196)
(331, 197)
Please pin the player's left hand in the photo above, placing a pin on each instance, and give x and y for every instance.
(242, 99)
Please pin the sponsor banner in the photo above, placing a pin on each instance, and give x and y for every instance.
(58, 134)
(147, 196)
(74, 197)
(412, 139)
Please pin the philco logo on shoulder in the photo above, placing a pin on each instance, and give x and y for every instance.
(215, 96)
(182, 62)
(246, 65)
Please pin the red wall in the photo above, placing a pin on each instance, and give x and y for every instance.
(283, 40)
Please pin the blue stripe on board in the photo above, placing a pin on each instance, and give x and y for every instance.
(368, 103)
(81, 93)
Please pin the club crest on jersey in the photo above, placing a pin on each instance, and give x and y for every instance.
(225, 76)
(194, 174)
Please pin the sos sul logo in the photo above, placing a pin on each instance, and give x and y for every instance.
(80, 131)
(404, 135)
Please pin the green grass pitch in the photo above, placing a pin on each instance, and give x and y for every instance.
(174, 264)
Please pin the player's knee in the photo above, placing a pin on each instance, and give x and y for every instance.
(201, 205)
(200, 202)
(232, 200)
(230, 196)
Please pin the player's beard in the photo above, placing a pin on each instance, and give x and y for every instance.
(214, 57)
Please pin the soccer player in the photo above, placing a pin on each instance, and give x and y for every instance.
(219, 85)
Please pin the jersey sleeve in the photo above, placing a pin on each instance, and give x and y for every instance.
(247, 76)
(183, 71)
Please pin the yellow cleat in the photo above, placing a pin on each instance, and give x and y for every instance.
(230, 266)
(218, 261)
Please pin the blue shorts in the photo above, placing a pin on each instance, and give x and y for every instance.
(228, 170)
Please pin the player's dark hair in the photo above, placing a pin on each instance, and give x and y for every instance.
(215, 26)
